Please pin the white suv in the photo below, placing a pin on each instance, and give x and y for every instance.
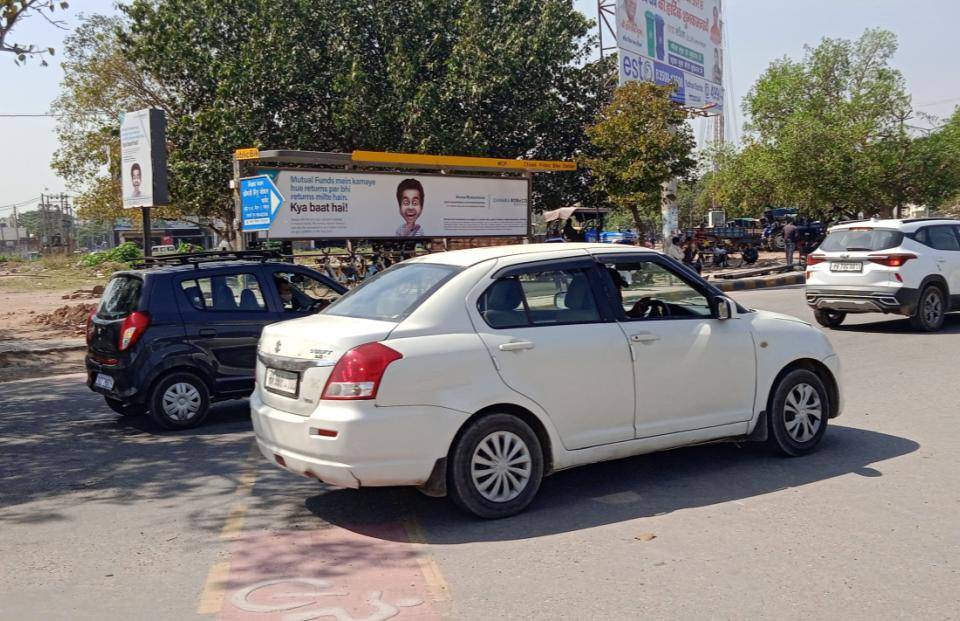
(904, 267)
(475, 373)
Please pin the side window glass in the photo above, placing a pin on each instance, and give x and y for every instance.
(548, 297)
(944, 238)
(560, 296)
(299, 292)
(233, 292)
(646, 290)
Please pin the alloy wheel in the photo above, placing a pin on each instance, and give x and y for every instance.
(932, 308)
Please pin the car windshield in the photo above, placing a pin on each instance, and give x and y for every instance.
(867, 240)
(121, 297)
(393, 294)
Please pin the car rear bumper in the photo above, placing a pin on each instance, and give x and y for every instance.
(374, 446)
(898, 300)
(124, 389)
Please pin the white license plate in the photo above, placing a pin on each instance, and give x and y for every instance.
(846, 267)
(103, 381)
(286, 383)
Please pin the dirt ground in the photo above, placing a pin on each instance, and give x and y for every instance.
(31, 318)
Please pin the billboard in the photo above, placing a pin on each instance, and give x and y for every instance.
(679, 41)
(330, 204)
(143, 158)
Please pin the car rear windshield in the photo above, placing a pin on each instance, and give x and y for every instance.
(121, 297)
(866, 240)
(394, 293)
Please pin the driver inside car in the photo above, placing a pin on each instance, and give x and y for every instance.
(644, 307)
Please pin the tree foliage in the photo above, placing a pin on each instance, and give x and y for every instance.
(641, 140)
(494, 78)
(13, 12)
(832, 135)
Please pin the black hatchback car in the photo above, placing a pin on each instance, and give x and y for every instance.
(174, 335)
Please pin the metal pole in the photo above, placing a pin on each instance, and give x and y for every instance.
(147, 250)
(237, 224)
(16, 228)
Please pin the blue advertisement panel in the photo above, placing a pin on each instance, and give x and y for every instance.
(259, 202)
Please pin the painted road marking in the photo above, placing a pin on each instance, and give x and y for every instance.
(211, 598)
(436, 583)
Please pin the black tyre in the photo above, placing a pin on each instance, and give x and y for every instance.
(128, 409)
(931, 310)
(797, 414)
(829, 318)
(179, 401)
(496, 467)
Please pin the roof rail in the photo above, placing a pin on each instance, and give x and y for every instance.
(196, 258)
(928, 219)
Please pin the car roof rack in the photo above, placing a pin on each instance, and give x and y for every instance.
(929, 219)
(196, 258)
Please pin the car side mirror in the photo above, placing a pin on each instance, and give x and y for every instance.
(726, 308)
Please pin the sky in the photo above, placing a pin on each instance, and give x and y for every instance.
(759, 31)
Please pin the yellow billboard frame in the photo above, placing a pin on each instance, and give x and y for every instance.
(459, 161)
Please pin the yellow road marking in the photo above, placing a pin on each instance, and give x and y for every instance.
(436, 583)
(211, 600)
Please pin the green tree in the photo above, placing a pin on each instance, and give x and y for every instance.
(12, 12)
(642, 140)
(471, 77)
(830, 133)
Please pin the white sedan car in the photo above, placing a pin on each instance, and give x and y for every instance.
(475, 373)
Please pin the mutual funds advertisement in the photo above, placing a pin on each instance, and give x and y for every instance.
(679, 41)
(342, 204)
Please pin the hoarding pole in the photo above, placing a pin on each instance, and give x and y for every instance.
(147, 249)
(237, 224)
(668, 208)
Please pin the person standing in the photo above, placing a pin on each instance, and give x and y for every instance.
(790, 239)
(673, 249)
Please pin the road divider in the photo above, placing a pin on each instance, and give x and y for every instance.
(763, 282)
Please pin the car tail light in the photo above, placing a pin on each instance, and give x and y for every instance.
(132, 329)
(89, 331)
(813, 259)
(358, 373)
(891, 260)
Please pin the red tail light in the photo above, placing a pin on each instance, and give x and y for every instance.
(813, 259)
(358, 373)
(891, 260)
(132, 329)
(89, 331)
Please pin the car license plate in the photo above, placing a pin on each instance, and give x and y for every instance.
(286, 383)
(103, 381)
(846, 267)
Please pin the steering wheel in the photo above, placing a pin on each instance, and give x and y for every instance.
(648, 307)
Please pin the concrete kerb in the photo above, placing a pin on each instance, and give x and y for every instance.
(764, 282)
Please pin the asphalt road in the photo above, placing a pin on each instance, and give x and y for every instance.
(108, 518)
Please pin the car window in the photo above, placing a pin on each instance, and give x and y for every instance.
(861, 239)
(226, 292)
(647, 290)
(942, 238)
(299, 292)
(394, 293)
(543, 297)
(121, 297)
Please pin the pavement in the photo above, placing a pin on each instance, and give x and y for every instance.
(108, 518)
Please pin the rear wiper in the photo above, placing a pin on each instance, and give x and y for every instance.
(857, 249)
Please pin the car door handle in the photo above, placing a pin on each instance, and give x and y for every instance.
(644, 337)
(208, 332)
(941, 260)
(515, 346)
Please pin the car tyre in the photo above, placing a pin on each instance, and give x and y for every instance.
(930, 313)
(829, 318)
(496, 467)
(179, 401)
(125, 409)
(797, 414)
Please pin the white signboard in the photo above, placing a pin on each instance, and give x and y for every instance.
(679, 41)
(343, 204)
(135, 159)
